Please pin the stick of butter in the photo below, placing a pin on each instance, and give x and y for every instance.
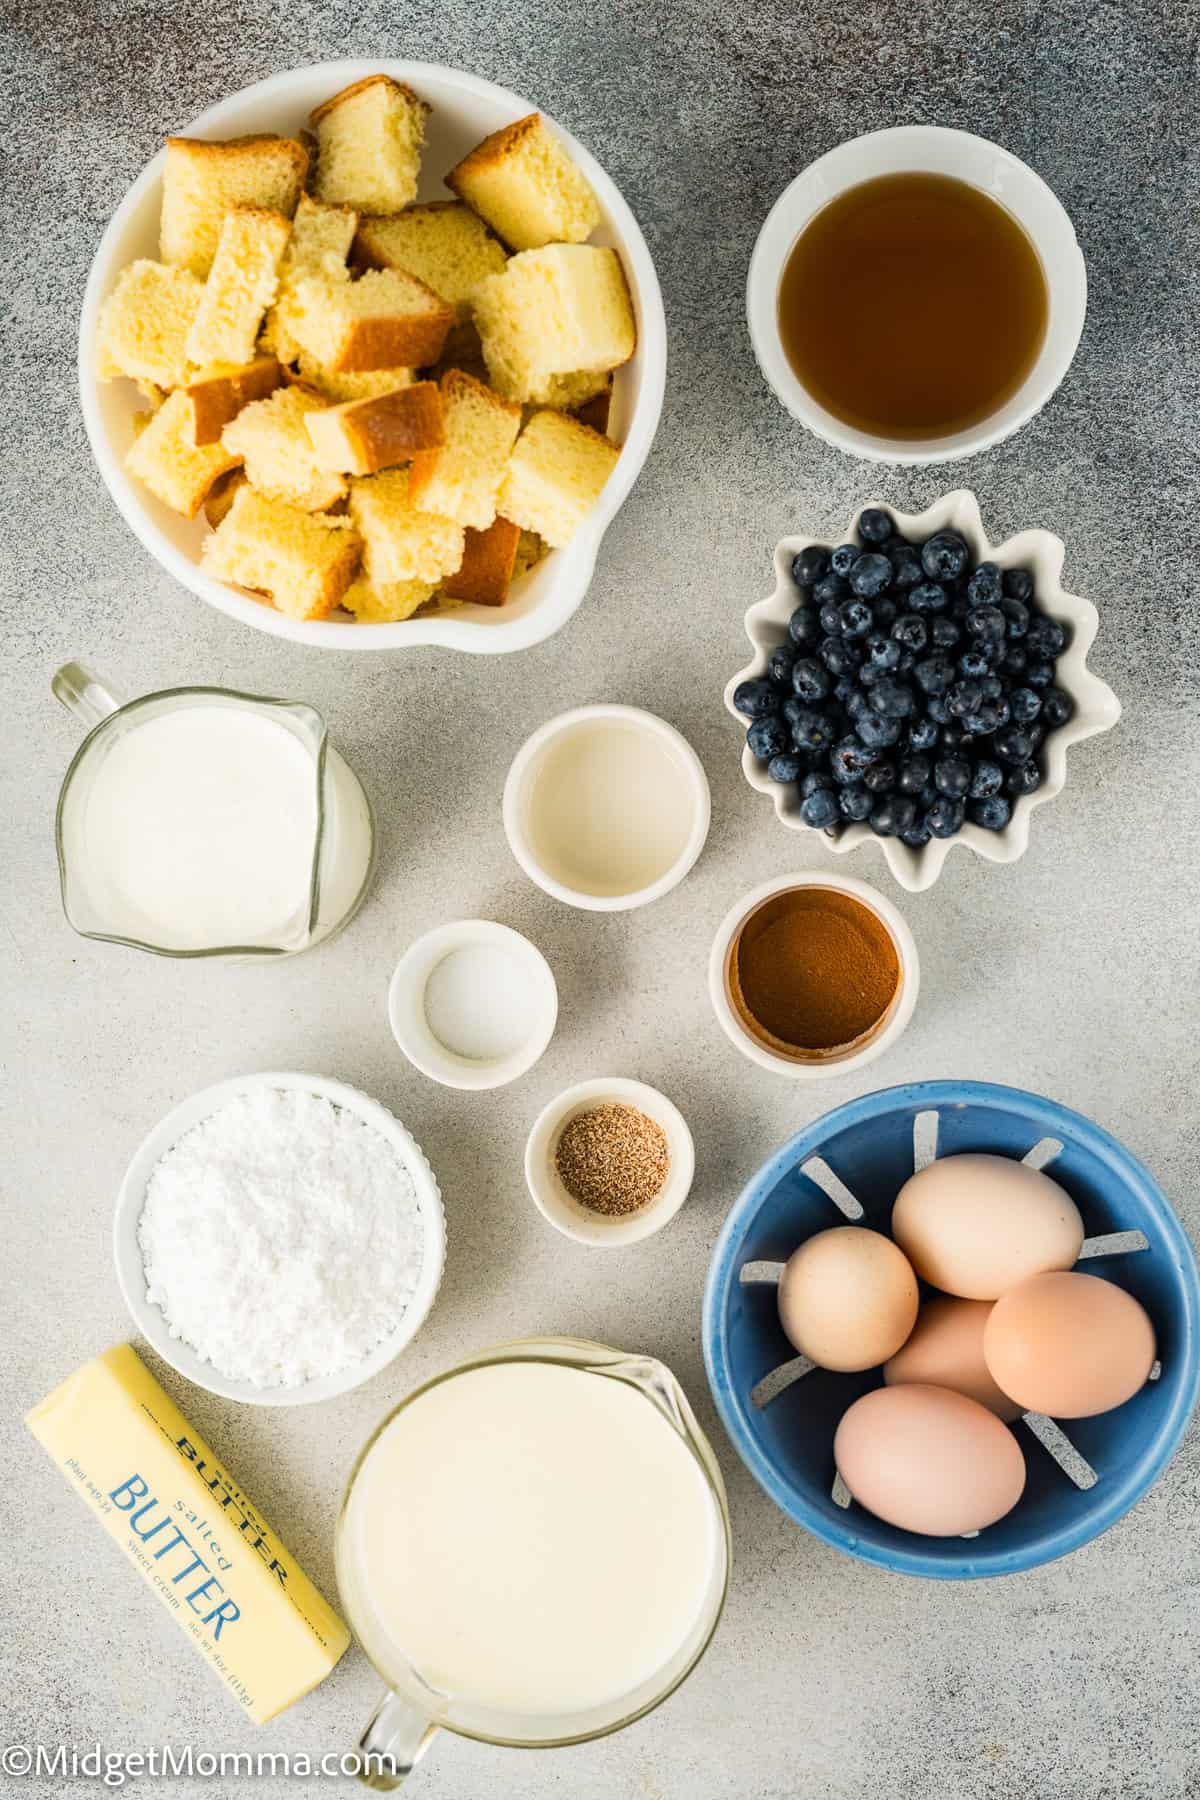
(157, 1488)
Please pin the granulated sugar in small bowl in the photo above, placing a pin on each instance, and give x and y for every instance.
(279, 1238)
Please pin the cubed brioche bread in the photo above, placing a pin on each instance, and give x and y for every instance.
(241, 285)
(341, 385)
(144, 324)
(401, 544)
(486, 570)
(555, 476)
(202, 182)
(552, 313)
(369, 141)
(385, 320)
(319, 245)
(460, 480)
(304, 561)
(444, 245)
(521, 180)
(219, 396)
(176, 470)
(389, 604)
(571, 393)
(363, 436)
(271, 439)
(222, 494)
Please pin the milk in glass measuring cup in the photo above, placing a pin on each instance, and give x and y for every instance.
(204, 822)
(533, 1550)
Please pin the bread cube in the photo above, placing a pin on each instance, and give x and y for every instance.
(444, 245)
(203, 181)
(271, 439)
(304, 561)
(365, 384)
(460, 480)
(319, 245)
(401, 544)
(222, 494)
(217, 398)
(555, 476)
(240, 287)
(144, 324)
(486, 571)
(363, 436)
(175, 469)
(522, 181)
(369, 141)
(387, 319)
(554, 313)
(389, 604)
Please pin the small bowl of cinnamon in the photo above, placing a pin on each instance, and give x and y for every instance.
(813, 975)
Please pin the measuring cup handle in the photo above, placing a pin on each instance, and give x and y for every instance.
(393, 1743)
(83, 693)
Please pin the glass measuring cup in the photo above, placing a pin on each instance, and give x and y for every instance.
(340, 857)
(412, 1711)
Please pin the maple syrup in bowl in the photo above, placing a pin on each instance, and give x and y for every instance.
(916, 295)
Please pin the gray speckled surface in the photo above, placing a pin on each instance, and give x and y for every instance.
(1074, 972)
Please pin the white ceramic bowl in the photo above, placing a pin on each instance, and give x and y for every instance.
(465, 109)
(580, 1222)
(940, 151)
(410, 1024)
(1097, 708)
(526, 822)
(825, 1067)
(131, 1276)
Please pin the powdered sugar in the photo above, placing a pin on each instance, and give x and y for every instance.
(282, 1238)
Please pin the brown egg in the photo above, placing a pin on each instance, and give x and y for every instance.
(976, 1225)
(929, 1460)
(1069, 1345)
(847, 1298)
(946, 1350)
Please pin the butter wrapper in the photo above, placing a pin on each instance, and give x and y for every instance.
(199, 1543)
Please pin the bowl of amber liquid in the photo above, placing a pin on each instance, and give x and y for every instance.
(916, 295)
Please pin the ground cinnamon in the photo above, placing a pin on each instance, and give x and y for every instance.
(813, 970)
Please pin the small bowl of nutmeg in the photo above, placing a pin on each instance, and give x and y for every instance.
(609, 1161)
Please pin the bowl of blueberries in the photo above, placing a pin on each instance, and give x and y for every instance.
(917, 686)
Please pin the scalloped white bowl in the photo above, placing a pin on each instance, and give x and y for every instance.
(1097, 708)
(465, 109)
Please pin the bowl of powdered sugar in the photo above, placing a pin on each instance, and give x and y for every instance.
(279, 1238)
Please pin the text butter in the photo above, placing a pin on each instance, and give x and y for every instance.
(157, 1488)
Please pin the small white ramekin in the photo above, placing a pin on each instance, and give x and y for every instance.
(940, 151)
(131, 1274)
(820, 1069)
(413, 1032)
(580, 1222)
(520, 793)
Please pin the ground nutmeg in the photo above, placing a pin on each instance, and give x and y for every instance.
(813, 970)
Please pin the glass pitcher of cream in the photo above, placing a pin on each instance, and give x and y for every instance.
(203, 822)
(533, 1550)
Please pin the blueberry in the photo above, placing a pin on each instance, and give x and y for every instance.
(1057, 707)
(1025, 704)
(944, 633)
(928, 596)
(885, 611)
(964, 697)
(810, 565)
(849, 761)
(859, 704)
(830, 587)
(804, 627)
(754, 699)
(991, 715)
(983, 589)
(768, 737)
(874, 525)
(992, 687)
(874, 672)
(993, 813)
(883, 652)
(987, 780)
(870, 574)
(1014, 661)
(830, 617)
(1036, 734)
(944, 556)
(945, 816)
(953, 736)
(856, 801)
(813, 731)
(880, 778)
(985, 622)
(911, 630)
(816, 778)
(938, 709)
(974, 665)
(857, 618)
(892, 815)
(843, 559)
(928, 795)
(1016, 616)
(820, 809)
(1018, 584)
(935, 675)
(786, 767)
(907, 663)
(952, 775)
(894, 699)
(922, 734)
(914, 773)
(875, 732)
(1023, 780)
(779, 667)
(1012, 745)
(918, 834)
(906, 567)
(810, 679)
(1045, 638)
(839, 657)
(1039, 674)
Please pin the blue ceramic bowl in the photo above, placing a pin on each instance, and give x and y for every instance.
(787, 1444)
